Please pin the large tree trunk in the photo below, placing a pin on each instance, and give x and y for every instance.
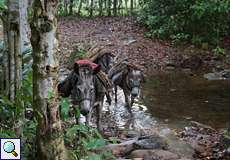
(50, 143)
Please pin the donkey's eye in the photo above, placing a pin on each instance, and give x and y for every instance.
(78, 90)
(91, 90)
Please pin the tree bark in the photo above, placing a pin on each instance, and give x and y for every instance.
(50, 143)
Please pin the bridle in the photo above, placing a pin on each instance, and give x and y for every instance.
(133, 85)
(84, 99)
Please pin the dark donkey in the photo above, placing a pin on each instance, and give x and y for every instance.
(128, 78)
(105, 59)
(85, 89)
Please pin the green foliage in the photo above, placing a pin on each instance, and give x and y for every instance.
(84, 139)
(2, 4)
(227, 132)
(81, 138)
(64, 108)
(199, 21)
(219, 51)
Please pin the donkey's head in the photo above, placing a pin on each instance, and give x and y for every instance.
(135, 78)
(105, 61)
(84, 89)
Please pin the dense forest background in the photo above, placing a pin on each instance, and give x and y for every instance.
(30, 107)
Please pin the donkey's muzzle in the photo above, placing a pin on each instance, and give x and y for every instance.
(85, 106)
(84, 112)
(135, 91)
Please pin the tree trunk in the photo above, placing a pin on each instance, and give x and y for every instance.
(100, 7)
(50, 143)
(126, 5)
(120, 5)
(109, 8)
(91, 8)
(5, 57)
(131, 6)
(79, 7)
(24, 25)
(14, 48)
(66, 7)
(115, 7)
(71, 7)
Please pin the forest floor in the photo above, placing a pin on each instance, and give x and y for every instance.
(126, 35)
(152, 55)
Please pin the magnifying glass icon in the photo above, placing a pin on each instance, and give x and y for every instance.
(9, 147)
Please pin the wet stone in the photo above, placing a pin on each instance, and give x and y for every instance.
(154, 154)
(225, 140)
(151, 142)
(222, 75)
(132, 134)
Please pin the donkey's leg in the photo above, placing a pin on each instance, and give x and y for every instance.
(99, 110)
(108, 97)
(132, 101)
(88, 118)
(115, 89)
(127, 101)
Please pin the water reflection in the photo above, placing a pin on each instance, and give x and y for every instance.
(178, 98)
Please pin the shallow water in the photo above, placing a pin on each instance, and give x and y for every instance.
(177, 98)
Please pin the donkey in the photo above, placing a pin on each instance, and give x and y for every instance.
(106, 62)
(85, 89)
(129, 79)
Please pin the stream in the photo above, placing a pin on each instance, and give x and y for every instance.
(177, 98)
(170, 101)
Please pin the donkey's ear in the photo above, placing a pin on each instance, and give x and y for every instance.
(97, 69)
(76, 68)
